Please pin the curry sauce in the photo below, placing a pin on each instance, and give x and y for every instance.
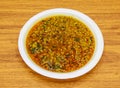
(60, 44)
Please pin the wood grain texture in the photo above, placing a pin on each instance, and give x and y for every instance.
(14, 73)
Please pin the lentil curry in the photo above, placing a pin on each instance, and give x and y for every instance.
(60, 43)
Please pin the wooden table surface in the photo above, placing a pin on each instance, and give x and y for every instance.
(14, 73)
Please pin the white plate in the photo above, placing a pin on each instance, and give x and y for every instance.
(68, 12)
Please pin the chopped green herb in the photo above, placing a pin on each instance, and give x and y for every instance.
(77, 39)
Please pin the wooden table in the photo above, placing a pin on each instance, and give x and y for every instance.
(14, 73)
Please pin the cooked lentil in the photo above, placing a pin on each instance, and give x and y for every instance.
(60, 44)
